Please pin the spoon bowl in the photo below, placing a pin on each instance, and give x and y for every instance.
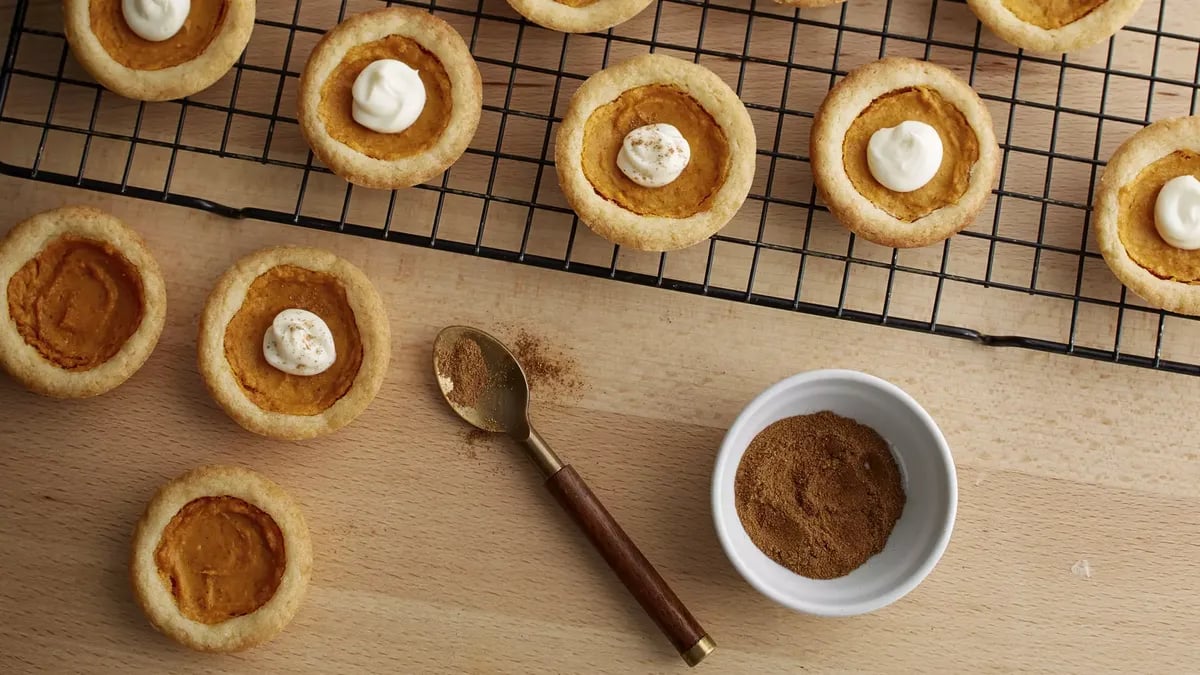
(502, 406)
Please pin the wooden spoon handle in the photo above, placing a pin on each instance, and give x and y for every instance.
(623, 556)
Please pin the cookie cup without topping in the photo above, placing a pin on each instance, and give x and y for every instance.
(241, 632)
(846, 101)
(599, 15)
(1096, 26)
(655, 233)
(1137, 152)
(166, 84)
(227, 298)
(466, 92)
(21, 360)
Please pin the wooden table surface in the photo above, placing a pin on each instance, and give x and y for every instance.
(1075, 548)
(435, 551)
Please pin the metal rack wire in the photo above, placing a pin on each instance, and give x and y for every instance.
(1026, 274)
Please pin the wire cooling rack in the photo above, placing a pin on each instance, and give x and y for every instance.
(1027, 273)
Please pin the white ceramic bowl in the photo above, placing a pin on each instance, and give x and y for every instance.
(921, 534)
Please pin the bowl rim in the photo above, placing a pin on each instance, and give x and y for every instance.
(729, 448)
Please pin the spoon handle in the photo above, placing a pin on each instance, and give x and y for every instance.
(623, 556)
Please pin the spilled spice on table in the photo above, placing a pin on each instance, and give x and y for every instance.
(473, 439)
(819, 494)
(552, 374)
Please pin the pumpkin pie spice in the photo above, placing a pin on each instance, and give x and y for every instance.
(552, 375)
(468, 370)
(819, 494)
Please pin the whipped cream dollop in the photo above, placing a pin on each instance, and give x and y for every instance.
(1177, 213)
(654, 155)
(155, 20)
(299, 342)
(905, 157)
(388, 96)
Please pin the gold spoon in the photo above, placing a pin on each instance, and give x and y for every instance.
(496, 399)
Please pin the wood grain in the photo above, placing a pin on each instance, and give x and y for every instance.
(437, 551)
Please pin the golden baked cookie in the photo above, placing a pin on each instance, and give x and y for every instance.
(435, 139)
(1124, 218)
(578, 16)
(84, 302)
(1054, 26)
(221, 559)
(645, 91)
(253, 358)
(882, 95)
(206, 46)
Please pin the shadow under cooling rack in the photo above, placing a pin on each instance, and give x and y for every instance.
(1026, 274)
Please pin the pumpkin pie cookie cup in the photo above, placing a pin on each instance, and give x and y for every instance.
(578, 16)
(83, 302)
(438, 137)
(881, 95)
(649, 90)
(212, 38)
(1054, 28)
(221, 559)
(1124, 217)
(245, 305)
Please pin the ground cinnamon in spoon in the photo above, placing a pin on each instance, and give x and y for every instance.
(819, 494)
(465, 367)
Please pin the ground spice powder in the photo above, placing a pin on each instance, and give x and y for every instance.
(463, 364)
(819, 494)
(553, 376)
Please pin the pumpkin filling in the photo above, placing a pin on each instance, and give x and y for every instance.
(291, 287)
(960, 151)
(336, 107)
(76, 302)
(220, 557)
(693, 191)
(1051, 14)
(1135, 219)
(127, 48)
